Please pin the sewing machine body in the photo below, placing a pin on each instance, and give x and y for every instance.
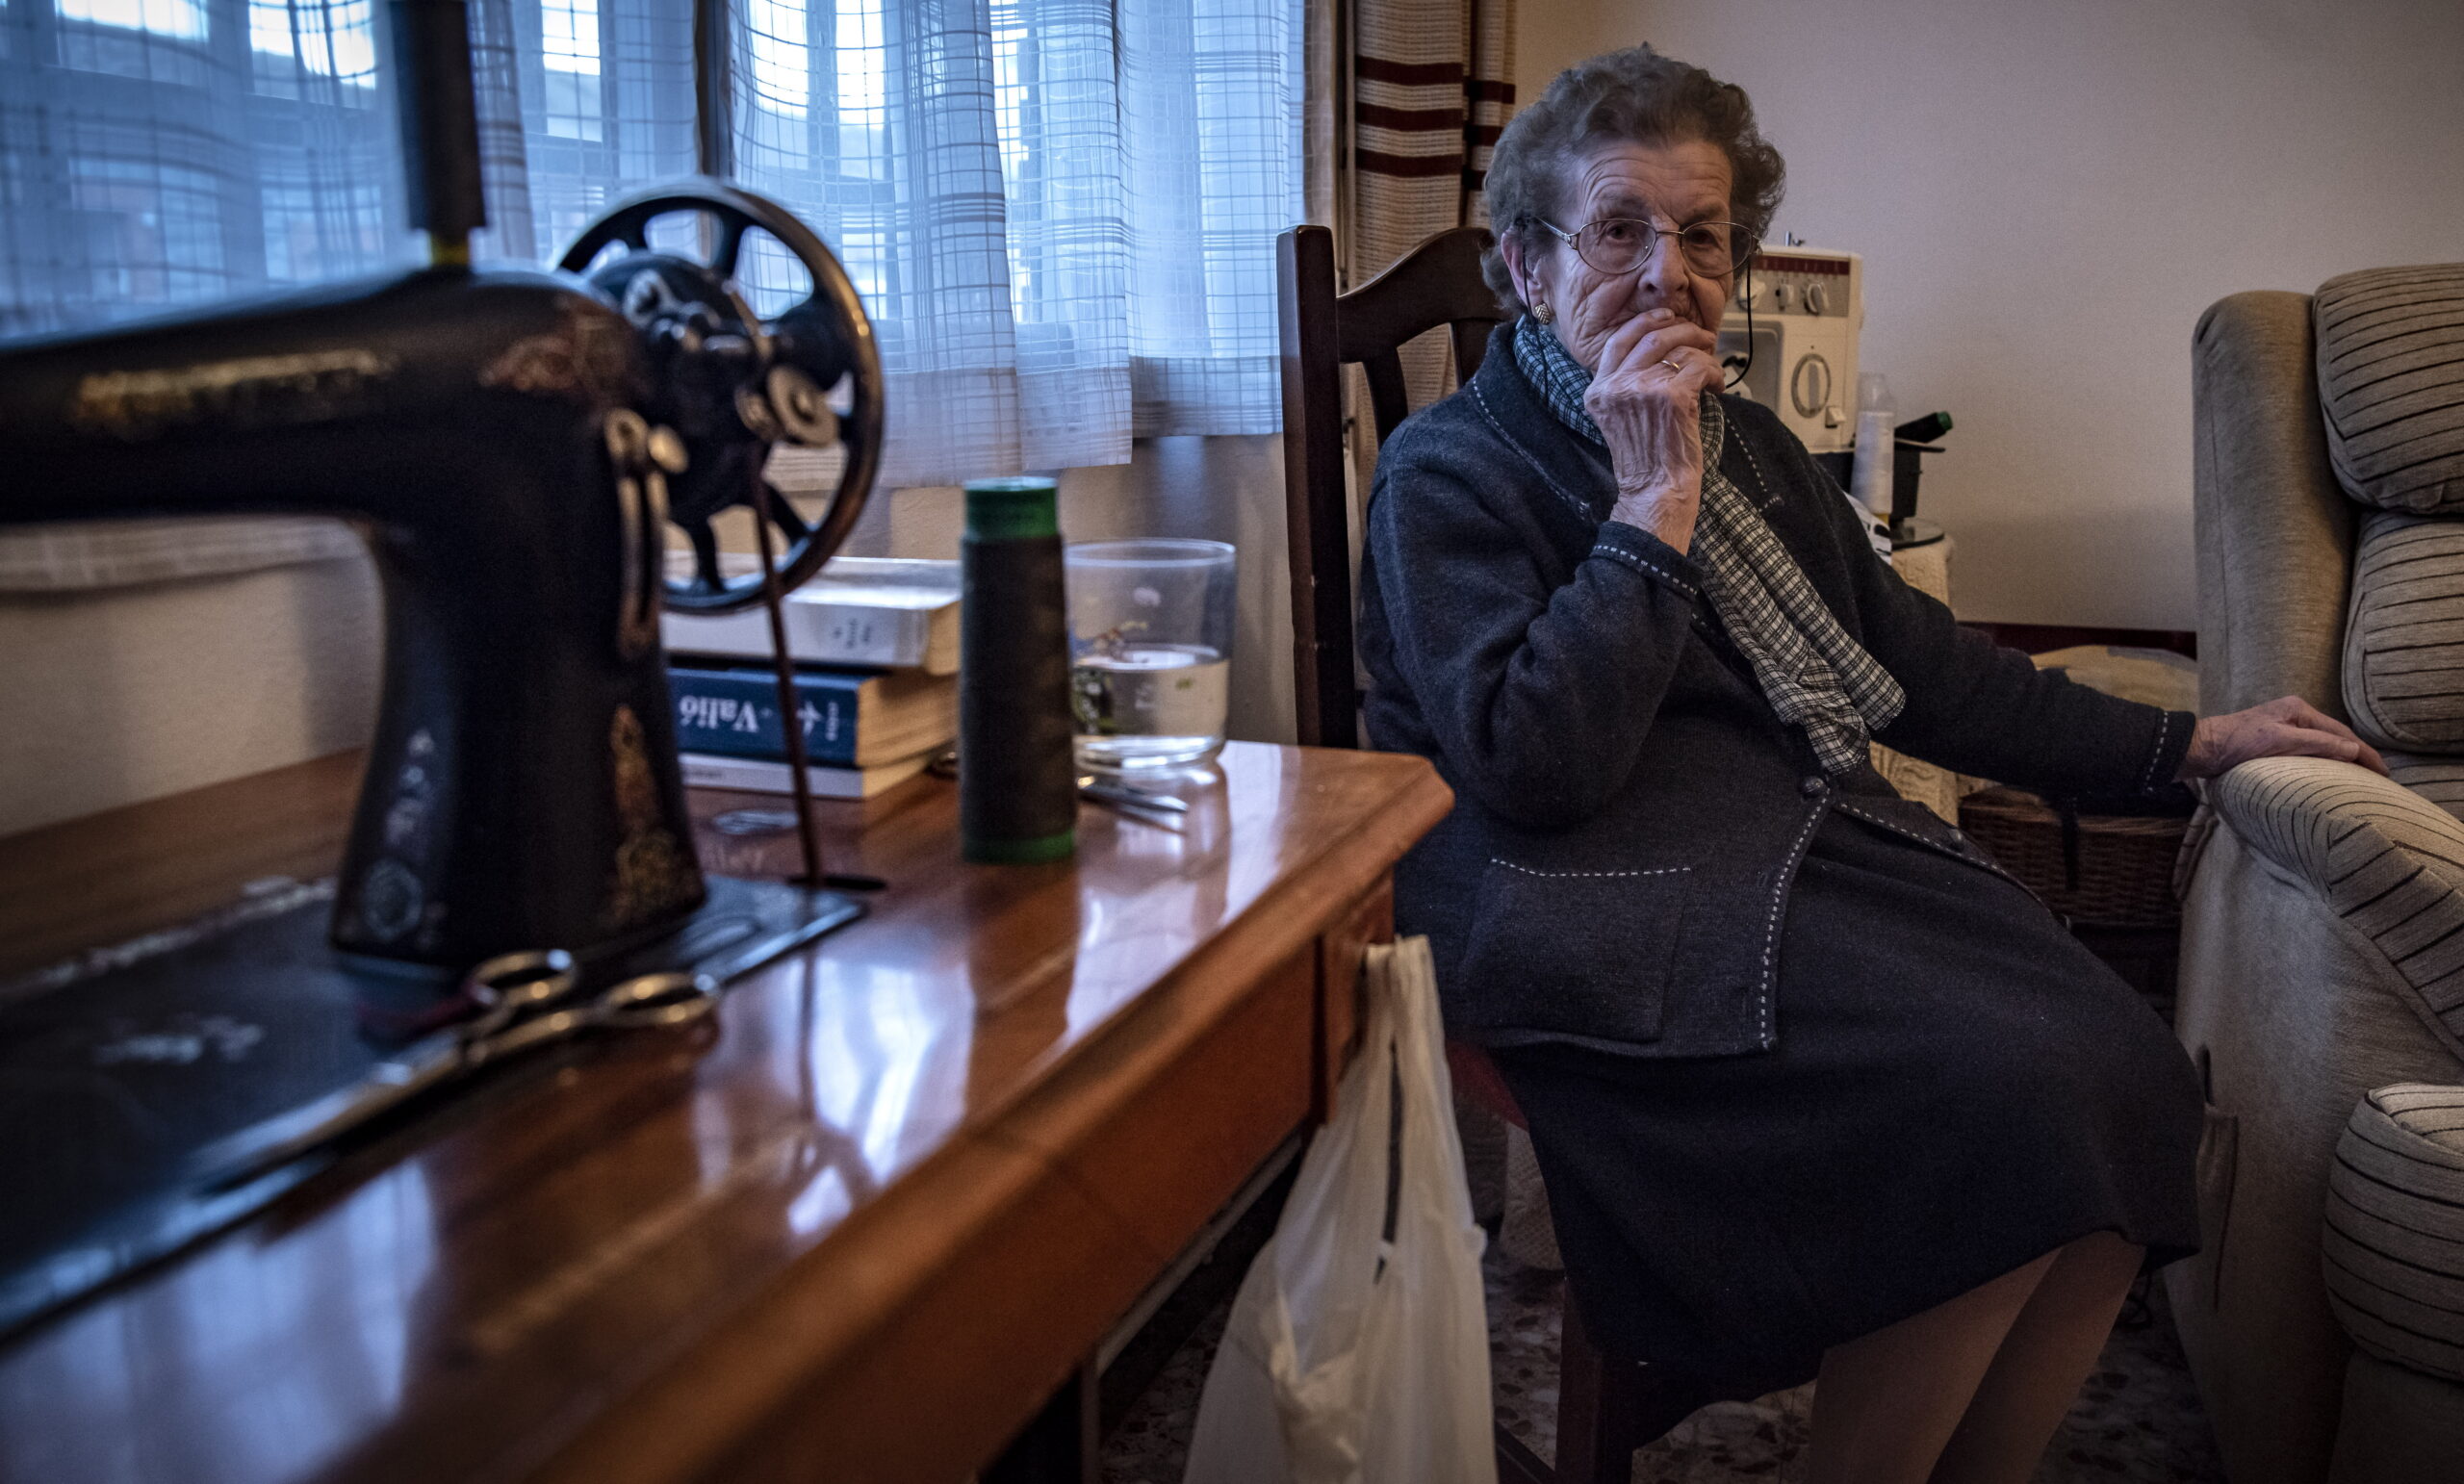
(522, 787)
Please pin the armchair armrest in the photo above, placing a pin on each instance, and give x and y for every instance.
(2384, 859)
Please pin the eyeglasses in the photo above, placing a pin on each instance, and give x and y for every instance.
(1621, 244)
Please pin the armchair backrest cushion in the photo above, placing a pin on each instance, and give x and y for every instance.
(2274, 528)
(2403, 658)
(2391, 382)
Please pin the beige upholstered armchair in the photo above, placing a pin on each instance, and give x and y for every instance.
(2323, 952)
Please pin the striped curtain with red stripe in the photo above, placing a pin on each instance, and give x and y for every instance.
(1432, 84)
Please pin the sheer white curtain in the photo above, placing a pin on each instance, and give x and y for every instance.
(1061, 212)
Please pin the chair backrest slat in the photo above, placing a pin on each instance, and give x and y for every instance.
(1471, 346)
(1436, 284)
(1389, 403)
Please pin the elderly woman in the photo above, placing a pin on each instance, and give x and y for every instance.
(1816, 1088)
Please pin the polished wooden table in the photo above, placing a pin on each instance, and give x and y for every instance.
(862, 1231)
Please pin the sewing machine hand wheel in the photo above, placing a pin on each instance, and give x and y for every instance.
(733, 385)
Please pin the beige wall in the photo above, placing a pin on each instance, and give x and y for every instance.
(111, 697)
(2047, 192)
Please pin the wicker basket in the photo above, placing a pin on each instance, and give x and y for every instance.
(2124, 871)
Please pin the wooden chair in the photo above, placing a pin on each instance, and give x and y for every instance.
(1607, 1406)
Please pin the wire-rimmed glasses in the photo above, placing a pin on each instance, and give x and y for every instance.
(1621, 244)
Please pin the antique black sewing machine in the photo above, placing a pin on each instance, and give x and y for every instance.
(514, 446)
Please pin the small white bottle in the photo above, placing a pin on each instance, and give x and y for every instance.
(1870, 477)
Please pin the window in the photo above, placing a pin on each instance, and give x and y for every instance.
(182, 20)
(775, 38)
(861, 90)
(155, 40)
(569, 58)
(323, 38)
(154, 232)
(316, 228)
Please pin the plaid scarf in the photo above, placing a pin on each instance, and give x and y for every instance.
(1810, 671)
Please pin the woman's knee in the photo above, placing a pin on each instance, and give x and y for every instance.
(2097, 1265)
(2106, 1249)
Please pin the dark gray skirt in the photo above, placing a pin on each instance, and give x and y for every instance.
(1959, 1088)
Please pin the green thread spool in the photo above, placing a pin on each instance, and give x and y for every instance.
(1018, 778)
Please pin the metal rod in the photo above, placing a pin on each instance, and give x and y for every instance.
(791, 722)
(440, 122)
(713, 90)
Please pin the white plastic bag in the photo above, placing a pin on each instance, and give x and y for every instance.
(1351, 1360)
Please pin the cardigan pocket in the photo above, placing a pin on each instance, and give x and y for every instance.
(1590, 951)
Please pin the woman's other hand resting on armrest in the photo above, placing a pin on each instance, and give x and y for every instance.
(2287, 727)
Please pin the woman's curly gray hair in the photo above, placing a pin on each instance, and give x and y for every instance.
(1636, 95)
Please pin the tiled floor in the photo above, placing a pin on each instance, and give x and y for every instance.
(2137, 1422)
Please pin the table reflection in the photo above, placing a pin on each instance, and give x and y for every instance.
(107, 1401)
(464, 1298)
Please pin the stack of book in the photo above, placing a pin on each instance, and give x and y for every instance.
(875, 642)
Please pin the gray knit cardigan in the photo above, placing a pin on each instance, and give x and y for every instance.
(1630, 812)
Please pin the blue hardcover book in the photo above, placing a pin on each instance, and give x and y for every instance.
(853, 718)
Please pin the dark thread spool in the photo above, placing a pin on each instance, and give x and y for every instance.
(1017, 780)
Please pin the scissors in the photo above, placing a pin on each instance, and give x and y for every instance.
(519, 997)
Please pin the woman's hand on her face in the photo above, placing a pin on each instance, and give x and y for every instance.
(1646, 396)
(2287, 727)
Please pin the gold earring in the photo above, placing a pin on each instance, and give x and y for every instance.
(1543, 313)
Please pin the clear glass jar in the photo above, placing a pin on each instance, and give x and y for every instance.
(1150, 650)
